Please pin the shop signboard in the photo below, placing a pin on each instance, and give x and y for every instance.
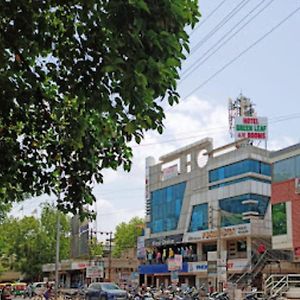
(197, 267)
(227, 232)
(237, 265)
(254, 128)
(175, 263)
(95, 271)
(79, 265)
(163, 241)
(170, 172)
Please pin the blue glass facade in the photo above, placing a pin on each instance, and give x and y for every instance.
(215, 186)
(286, 169)
(232, 208)
(199, 219)
(238, 168)
(166, 207)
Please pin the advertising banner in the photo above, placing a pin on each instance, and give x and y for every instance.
(197, 267)
(175, 264)
(141, 251)
(254, 128)
(95, 271)
(237, 265)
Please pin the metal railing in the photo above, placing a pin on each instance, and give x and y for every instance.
(278, 284)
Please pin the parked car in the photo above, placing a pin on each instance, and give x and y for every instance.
(105, 291)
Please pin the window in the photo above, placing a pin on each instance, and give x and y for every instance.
(199, 218)
(241, 246)
(232, 208)
(286, 169)
(238, 168)
(247, 178)
(166, 206)
(279, 219)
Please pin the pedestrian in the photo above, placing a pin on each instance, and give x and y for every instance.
(48, 291)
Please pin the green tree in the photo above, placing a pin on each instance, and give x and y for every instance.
(96, 248)
(30, 242)
(126, 235)
(78, 81)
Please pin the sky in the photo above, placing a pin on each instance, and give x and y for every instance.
(260, 59)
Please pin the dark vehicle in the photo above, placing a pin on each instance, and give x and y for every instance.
(105, 291)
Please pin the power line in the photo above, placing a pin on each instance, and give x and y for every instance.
(205, 57)
(207, 18)
(233, 12)
(204, 133)
(242, 53)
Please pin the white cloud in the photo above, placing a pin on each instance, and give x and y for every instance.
(282, 142)
(109, 215)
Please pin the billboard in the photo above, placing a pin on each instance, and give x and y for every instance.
(141, 251)
(254, 128)
(96, 271)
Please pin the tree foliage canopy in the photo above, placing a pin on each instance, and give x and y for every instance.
(126, 235)
(78, 81)
(27, 243)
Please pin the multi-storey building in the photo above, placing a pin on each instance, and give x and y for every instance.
(210, 207)
(286, 200)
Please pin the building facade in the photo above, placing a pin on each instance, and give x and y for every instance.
(207, 212)
(78, 273)
(286, 201)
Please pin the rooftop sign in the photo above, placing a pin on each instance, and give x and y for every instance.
(254, 128)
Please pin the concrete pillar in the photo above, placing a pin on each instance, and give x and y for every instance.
(183, 164)
(166, 281)
(249, 249)
(157, 282)
(199, 252)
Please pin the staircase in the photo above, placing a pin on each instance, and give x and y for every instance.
(279, 285)
(258, 264)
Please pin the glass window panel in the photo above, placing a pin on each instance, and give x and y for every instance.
(166, 206)
(199, 217)
(232, 208)
(279, 222)
(297, 166)
(239, 168)
(284, 169)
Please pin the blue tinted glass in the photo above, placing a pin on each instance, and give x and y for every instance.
(285, 169)
(239, 180)
(265, 169)
(166, 206)
(199, 218)
(232, 208)
(239, 168)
